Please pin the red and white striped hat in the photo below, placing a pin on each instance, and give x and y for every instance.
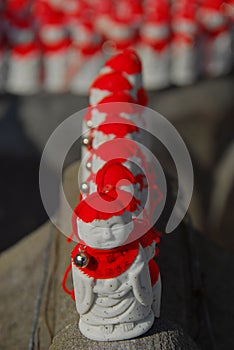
(128, 63)
(120, 127)
(108, 84)
(157, 12)
(51, 23)
(104, 205)
(110, 175)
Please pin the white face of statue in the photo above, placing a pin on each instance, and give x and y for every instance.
(106, 234)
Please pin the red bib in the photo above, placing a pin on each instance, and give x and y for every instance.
(107, 263)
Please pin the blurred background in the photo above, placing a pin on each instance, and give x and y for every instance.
(50, 52)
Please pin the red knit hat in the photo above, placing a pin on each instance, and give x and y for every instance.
(112, 82)
(128, 106)
(17, 14)
(111, 173)
(157, 12)
(118, 126)
(111, 203)
(126, 62)
(16, 8)
(121, 96)
(118, 148)
(112, 110)
(45, 13)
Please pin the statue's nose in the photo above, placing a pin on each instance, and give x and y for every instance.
(107, 233)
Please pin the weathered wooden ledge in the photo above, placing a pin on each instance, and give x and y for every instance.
(162, 336)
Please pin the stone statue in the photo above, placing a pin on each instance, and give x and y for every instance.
(112, 278)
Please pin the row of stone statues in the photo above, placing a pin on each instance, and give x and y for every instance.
(117, 284)
(59, 46)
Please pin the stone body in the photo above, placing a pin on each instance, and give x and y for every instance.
(118, 288)
(116, 308)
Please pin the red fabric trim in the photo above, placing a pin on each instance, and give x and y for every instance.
(159, 45)
(64, 281)
(107, 263)
(149, 237)
(20, 24)
(55, 47)
(88, 50)
(25, 49)
(156, 252)
(125, 44)
(119, 148)
(118, 129)
(179, 38)
(214, 33)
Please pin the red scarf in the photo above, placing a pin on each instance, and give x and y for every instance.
(110, 263)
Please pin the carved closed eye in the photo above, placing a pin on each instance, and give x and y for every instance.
(116, 227)
(98, 230)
